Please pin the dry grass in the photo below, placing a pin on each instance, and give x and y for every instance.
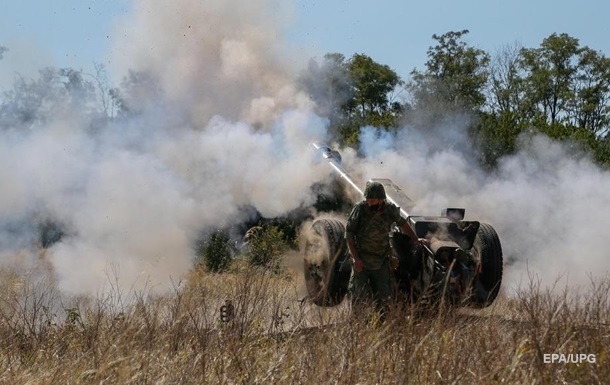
(274, 338)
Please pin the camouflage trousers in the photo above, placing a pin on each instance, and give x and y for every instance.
(375, 285)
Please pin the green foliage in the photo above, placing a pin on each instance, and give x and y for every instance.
(551, 70)
(349, 131)
(353, 93)
(331, 197)
(455, 76)
(560, 89)
(590, 109)
(602, 151)
(372, 104)
(496, 137)
(216, 252)
(266, 246)
(372, 83)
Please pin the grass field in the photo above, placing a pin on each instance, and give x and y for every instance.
(274, 337)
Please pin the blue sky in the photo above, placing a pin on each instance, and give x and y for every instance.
(77, 33)
(398, 33)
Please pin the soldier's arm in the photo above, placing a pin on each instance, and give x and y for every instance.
(405, 228)
(403, 224)
(351, 246)
(350, 230)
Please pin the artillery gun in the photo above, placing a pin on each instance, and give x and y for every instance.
(461, 265)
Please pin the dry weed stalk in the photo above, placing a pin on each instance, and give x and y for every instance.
(273, 337)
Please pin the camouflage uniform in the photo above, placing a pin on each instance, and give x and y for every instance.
(371, 233)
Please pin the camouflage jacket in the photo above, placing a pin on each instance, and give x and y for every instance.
(371, 232)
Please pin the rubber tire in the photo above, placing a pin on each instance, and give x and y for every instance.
(326, 269)
(487, 246)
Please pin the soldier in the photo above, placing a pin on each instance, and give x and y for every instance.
(368, 239)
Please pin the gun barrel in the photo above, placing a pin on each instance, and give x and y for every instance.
(334, 159)
(394, 193)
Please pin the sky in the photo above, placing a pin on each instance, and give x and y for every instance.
(226, 138)
(76, 33)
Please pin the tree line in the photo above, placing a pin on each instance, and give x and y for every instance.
(561, 89)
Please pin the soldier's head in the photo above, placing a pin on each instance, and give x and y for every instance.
(374, 193)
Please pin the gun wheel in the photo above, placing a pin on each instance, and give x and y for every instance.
(326, 273)
(488, 249)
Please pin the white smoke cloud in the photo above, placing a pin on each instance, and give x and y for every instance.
(133, 204)
(214, 57)
(134, 196)
(550, 204)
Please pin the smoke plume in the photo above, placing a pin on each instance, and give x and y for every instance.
(213, 58)
(221, 132)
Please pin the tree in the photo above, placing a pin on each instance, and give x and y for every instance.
(568, 87)
(32, 102)
(216, 252)
(506, 111)
(109, 100)
(353, 93)
(551, 72)
(55, 92)
(372, 84)
(590, 110)
(328, 84)
(266, 247)
(506, 89)
(455, 77)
